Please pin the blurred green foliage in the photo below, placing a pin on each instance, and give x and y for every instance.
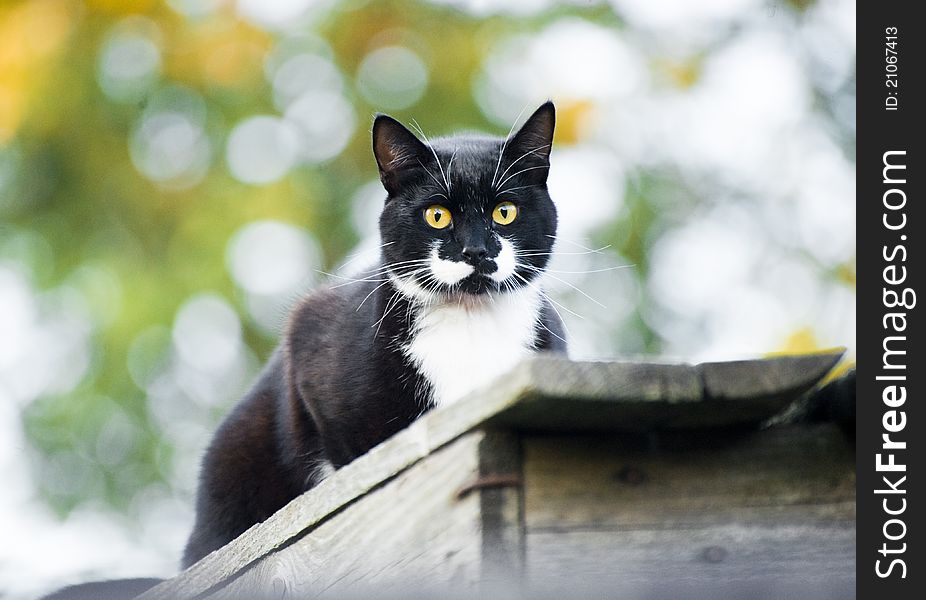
(77, 214)
(74, 198)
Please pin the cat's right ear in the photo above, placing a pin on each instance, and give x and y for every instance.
(397, 151)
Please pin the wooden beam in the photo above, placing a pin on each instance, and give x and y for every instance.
(545, 393)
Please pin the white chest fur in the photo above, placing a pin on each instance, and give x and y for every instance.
(460, 348)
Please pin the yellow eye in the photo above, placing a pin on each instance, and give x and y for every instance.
(437, 216)
(504, 213)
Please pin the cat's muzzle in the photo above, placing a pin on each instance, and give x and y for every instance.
(480, 281)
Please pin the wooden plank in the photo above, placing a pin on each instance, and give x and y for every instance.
(570, 396)
(500, 490)
(657, 515)
(765, 378)
(629, 562)
(383, 462)
(414, 529)
(677, 480)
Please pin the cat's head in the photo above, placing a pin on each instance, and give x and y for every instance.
(466, 214)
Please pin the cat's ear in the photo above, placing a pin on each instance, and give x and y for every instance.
(527, 152)
(397, 151)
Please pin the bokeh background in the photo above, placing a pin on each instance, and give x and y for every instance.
(174, 173)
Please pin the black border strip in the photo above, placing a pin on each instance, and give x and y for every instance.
(887, 117)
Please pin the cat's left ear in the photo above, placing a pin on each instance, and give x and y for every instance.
(398, 152)
(530, 147)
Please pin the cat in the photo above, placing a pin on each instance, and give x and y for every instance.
(467, 228)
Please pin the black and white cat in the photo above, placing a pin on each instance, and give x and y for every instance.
(467, 230)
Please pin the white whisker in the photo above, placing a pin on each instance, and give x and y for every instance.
(505, 144)
(390, 304)
(512, 189)
(550, 331)
(565, 241)
(348, 280)
(373, 276)
(530, 252)
(449, 167)
(563, 281)
(434, 152)
(373, 291)
(602, 270)
(521, 157)
(363, 253)
(553, 302)
(523, 171)
(428, 171)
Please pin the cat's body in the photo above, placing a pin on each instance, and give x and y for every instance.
(272, 448)
(455, 303)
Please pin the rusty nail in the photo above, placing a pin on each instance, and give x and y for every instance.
(714, 554)
(631, 476)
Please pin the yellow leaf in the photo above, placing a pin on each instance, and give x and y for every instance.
(572, 120)
(123, 7)
(803, 341)
(31, 33)
(681, 74)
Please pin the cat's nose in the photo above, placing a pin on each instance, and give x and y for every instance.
(474, 254)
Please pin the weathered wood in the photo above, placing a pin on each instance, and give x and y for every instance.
(676, 480)
(414, 529)
(500, 488)
(717, 555)
(771, 377)
(623, 511)
(347, 484)
(542, 393)
(565, 395)
(379, 465)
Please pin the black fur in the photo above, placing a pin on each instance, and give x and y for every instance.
(340, 383)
